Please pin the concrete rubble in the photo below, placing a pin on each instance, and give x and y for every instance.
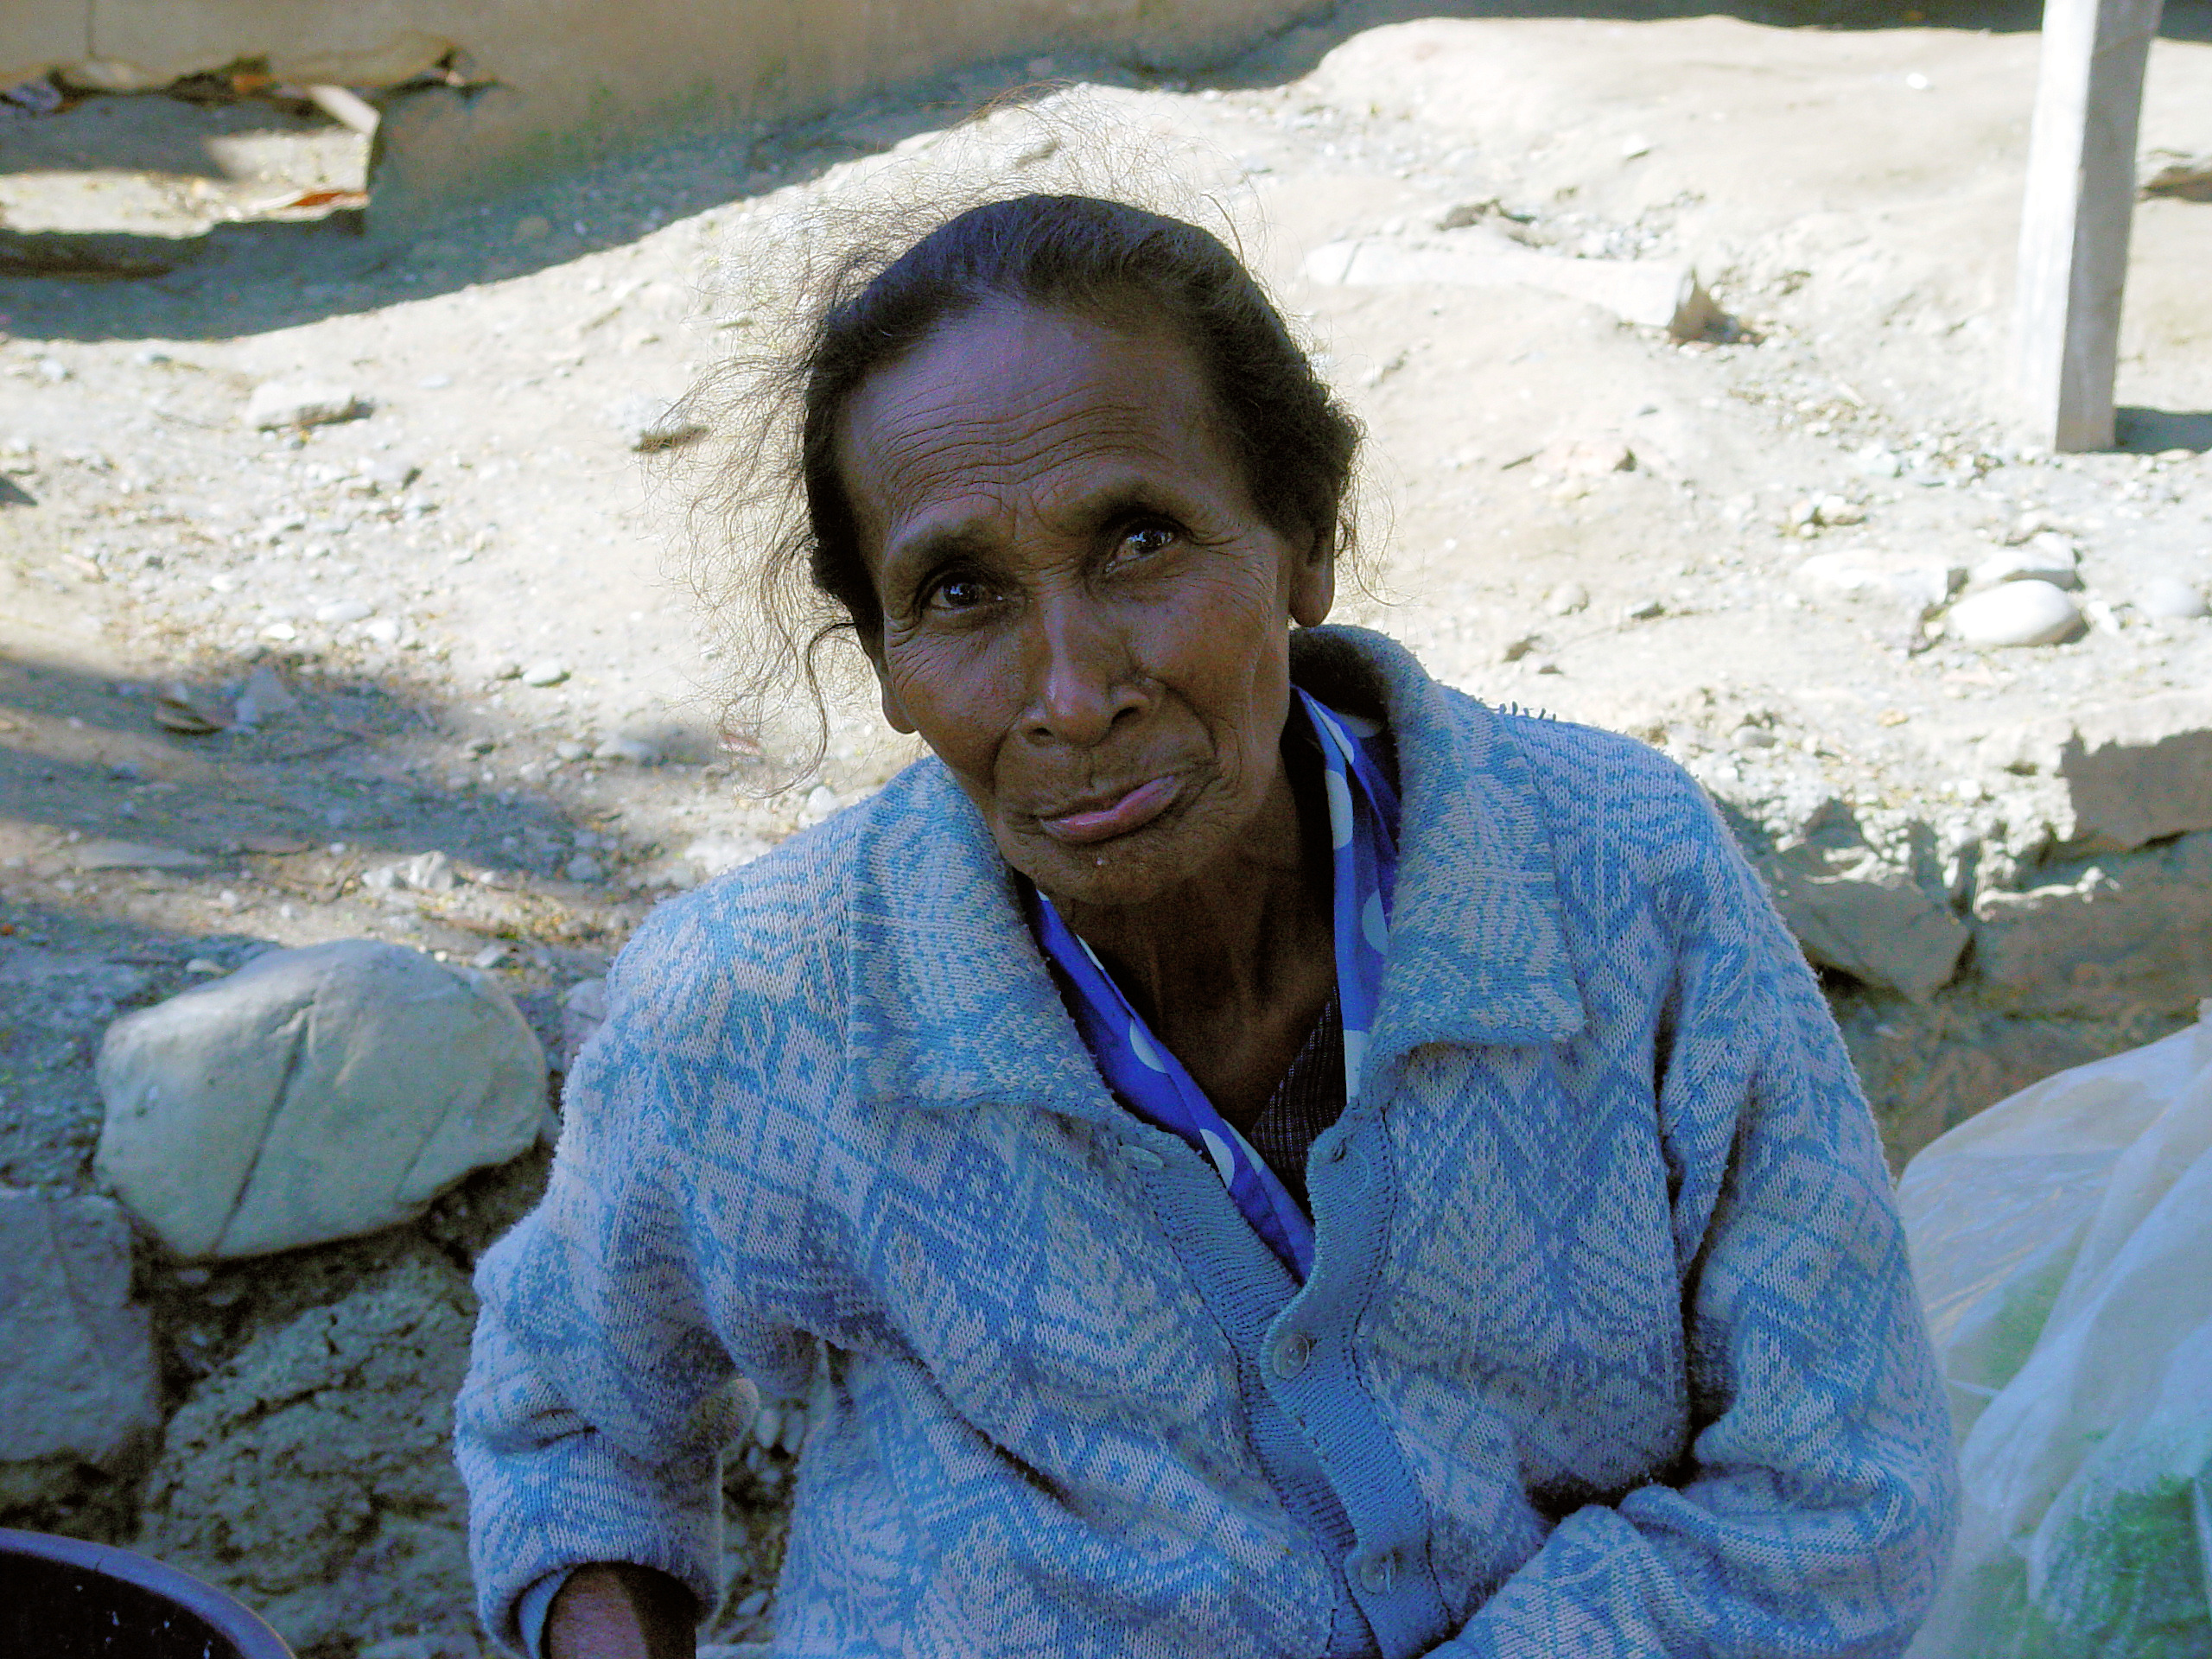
(2132, 929)
(311, 1475)
(80, 1384)
(2132, 772)
(314, 1095)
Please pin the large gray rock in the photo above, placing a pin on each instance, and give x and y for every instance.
(1856, 912)
(314, 1094)
(2133, 772)
(77, 1381)
(2131, 932)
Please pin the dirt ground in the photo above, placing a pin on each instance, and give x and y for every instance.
(465, 602)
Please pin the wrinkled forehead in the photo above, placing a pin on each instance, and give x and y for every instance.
(1006, 397)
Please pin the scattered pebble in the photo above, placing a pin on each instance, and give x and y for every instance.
(543, 673)
(342, 611)
(1566, 599)
(2025, 612)
(582, 868)
(621, 746)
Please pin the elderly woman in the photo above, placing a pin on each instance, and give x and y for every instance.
(1276, 1157)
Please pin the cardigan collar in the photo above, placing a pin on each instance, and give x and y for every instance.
(950, 1003)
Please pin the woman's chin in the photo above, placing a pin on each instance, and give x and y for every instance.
(1126, 872)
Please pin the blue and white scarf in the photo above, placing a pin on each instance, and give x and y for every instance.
(1152, 1083)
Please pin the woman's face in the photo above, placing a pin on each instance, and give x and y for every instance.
(1084, 615)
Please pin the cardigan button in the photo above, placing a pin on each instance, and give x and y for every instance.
(1336, 1153)
(1291, 1354)
(1379, 1573)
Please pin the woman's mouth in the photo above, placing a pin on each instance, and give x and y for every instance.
(1116, 817)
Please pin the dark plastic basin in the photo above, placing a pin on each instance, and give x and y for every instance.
(63, 1598)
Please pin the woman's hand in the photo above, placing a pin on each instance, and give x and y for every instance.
(615, 1611)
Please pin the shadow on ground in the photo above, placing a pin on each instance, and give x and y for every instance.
(255, 278)
(133, 861)
(2152, 431)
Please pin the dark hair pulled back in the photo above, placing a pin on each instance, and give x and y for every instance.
(1292, 441)
(776, 562)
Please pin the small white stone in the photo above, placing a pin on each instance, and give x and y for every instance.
(2171, 597)
(568, 749)
(2045, 557)
(299, 403)
(545, 672)
(342, 611)
(383, 630)
(1566, 598)
(2026, 613)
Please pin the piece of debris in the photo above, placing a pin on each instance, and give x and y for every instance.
(2188, 178)
(1567, 598)
(648, 423)
(131, 855)
(298, 403)
(544, 673)
(189, 709)
(314, 1095)
(1650, 293)
(1584, 457)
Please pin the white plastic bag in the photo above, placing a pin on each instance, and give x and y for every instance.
(2062, 1241)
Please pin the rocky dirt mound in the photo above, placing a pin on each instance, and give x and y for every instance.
(418, 673)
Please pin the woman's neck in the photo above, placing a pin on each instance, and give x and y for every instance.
(1232, 968)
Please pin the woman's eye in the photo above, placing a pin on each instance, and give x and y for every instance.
(959, 593)
(1148, 539)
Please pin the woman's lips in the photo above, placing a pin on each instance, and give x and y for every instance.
(1117, 817)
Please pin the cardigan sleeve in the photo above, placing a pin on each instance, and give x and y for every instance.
(601, 1391)
(1813, 1511)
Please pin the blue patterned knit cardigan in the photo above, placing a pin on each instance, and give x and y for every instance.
(1609, 1349)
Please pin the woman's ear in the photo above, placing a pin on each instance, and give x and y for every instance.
(1314, 583)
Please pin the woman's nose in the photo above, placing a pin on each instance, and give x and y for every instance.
(1082, 678)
